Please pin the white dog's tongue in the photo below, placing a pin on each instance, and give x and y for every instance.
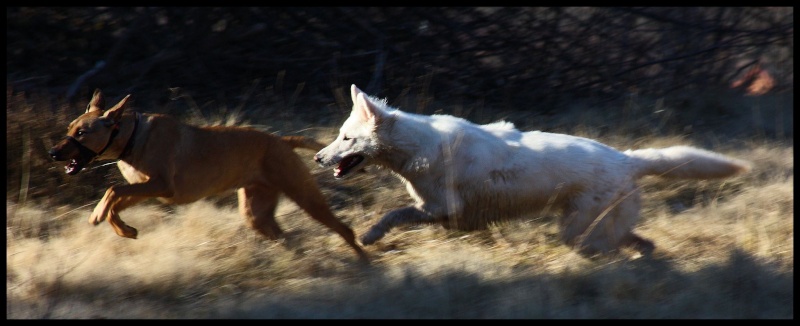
(346, 164)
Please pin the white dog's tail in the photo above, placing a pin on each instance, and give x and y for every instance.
(686, 163)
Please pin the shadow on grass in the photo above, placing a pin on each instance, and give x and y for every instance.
(742, 287)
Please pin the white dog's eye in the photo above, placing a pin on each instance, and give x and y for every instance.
(346, 138)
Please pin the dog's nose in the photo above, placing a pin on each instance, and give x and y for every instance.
(317, 158)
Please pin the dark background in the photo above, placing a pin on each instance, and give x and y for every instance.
(515, 58)
(290, 69)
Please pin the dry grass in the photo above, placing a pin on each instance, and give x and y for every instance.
(725, 250)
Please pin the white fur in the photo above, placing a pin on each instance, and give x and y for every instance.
(466, 176)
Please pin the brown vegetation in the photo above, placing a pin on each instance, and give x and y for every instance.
(725, 250)
(630, 77)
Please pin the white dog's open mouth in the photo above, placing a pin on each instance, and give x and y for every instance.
(347, 164)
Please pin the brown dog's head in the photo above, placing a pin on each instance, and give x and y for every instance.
(89, 135)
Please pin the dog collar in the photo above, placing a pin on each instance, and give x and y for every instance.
(129, 145)
(114, 133)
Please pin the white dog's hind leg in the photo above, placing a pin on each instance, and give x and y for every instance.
(584, 221)
(403, 216)
(622, 220)
(601, 222)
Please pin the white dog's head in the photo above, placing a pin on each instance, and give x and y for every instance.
(358, 142)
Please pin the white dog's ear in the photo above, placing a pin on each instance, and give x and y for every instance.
(366, 109)
(354, 91)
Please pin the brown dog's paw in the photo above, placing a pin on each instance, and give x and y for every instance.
(97, 216)
(131, 232)
(126, 231)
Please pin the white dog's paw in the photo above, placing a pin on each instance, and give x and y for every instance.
(373, 235)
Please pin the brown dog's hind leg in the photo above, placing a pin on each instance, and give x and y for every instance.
(258, 204)
(293, 178)
(310, 199)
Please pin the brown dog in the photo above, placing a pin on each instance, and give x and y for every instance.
(177, 163)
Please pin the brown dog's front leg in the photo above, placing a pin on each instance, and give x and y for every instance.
(120, 197)
(101, 210)
(121, 228)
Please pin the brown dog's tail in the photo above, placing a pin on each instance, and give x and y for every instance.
(303, 142)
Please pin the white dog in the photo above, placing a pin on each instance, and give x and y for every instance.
(466, 176)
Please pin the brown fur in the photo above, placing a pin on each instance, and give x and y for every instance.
(177, 163)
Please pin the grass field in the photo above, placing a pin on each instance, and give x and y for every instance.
(725, 249)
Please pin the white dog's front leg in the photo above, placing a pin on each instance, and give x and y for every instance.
(402, 216)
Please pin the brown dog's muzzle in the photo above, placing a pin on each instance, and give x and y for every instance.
(74, 152)
(70, 149)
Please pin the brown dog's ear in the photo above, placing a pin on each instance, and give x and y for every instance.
(97, 103)
(115, 113)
